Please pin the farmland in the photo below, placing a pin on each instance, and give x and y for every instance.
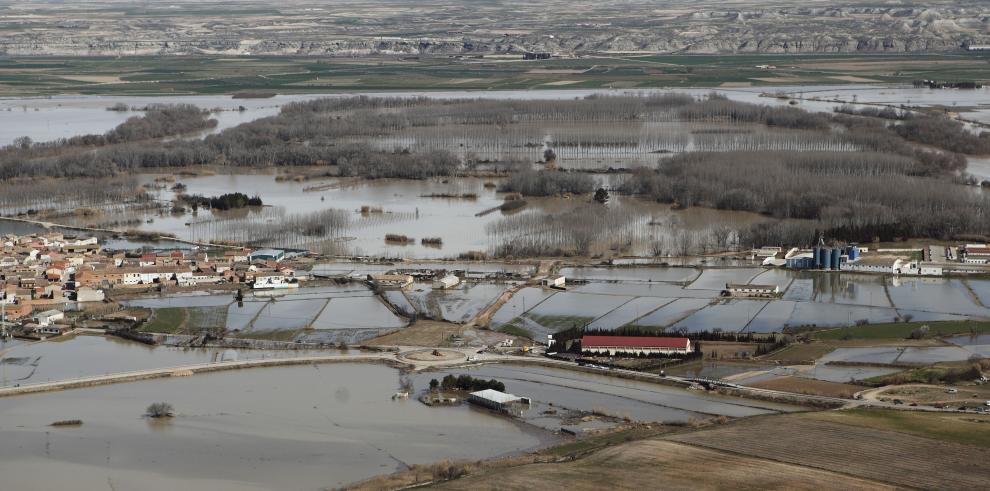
(960, 428)
(908, 460)
(677, 466)
(833, 449)
(176, 75)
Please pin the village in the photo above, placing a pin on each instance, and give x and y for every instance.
(44, 275)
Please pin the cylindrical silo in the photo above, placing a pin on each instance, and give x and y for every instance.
(836, 259)
(818, 257)
(826, 258)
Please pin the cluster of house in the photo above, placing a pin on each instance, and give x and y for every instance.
(41, 273)
(971, 254)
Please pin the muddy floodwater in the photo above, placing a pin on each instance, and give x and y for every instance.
(89, 355)
(305, 428)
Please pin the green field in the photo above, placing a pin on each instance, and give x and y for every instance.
(557, 323)
(515, 331)
(902, 330)
(166, 320)
(165, 75)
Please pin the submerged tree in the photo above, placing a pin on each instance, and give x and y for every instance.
(160, 410)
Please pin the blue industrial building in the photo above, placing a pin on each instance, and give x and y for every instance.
(801, 262)
(825, 258)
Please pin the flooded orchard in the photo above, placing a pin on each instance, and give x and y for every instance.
(50, 118)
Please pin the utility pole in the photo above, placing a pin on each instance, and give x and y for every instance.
(3, 316)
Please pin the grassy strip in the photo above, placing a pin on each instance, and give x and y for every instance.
(515, 331)
(557, 323)
(902, 330)
(968, 429)
(941, 373)
(166, 320)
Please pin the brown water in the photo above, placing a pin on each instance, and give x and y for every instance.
(307, 428)
(89, 355)
(405, 210)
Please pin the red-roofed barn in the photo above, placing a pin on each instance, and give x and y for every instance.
(634, 345)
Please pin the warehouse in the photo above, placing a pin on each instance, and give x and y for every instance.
(635, 345)
(446, 283)
(498, 401)
(267, 255)
(390, 280)
(886, 265)
(755, 291)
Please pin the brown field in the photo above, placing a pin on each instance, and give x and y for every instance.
(809, 386)
(436, 333)
(659, 464)
(726, 349)
(869, 453)
(972, 429)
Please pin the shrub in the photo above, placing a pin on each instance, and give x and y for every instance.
(160, 410)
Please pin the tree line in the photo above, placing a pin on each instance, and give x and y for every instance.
(226, 201)
(853, 196)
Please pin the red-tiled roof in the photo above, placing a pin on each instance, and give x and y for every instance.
(634, 342)
(978, 250)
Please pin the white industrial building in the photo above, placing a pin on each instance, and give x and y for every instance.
(874, 265)
(497, 401)
(446, 283)
(744, 290)
(390, 280)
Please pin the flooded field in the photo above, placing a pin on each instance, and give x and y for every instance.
(729, 315)
(615, 297)
(334, 313)
(715, 279)
(306, 427)
(979, 345)
(358, 215)
(629, 312)
(909, 355)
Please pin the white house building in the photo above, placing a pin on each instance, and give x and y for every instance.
(49, 317)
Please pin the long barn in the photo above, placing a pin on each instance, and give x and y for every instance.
(635, 345)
